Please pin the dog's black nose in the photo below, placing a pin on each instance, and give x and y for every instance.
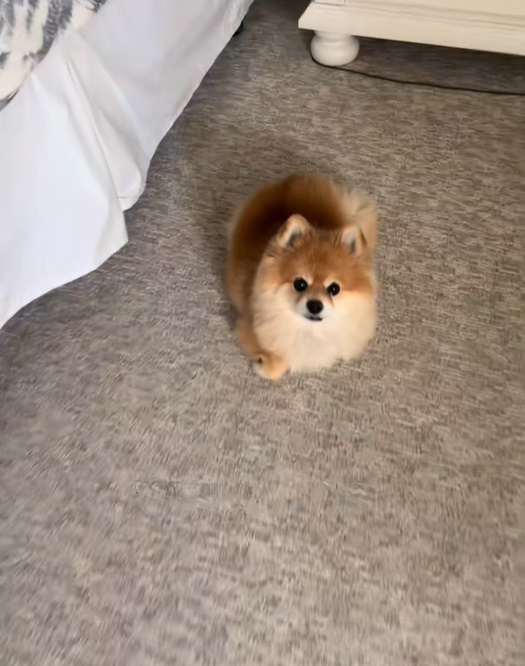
(314, 307)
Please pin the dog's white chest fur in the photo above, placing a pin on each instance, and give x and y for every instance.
(309, 345)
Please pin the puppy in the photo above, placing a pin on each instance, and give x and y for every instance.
(300, 275)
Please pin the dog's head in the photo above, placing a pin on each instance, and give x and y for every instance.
(317, 274)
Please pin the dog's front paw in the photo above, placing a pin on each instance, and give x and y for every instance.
(269, 367)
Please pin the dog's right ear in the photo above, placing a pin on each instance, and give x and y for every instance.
(361, 212)
(296, 226)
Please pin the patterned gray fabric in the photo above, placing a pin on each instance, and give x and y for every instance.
(28, 29)
(162, 506)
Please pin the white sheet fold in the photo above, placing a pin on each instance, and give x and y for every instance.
(77, 140)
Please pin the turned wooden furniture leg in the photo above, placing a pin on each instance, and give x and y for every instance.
(334, 49)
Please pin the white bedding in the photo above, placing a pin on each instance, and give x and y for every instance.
(28, 29)
(77, 139)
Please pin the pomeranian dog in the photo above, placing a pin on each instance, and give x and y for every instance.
(300, 275)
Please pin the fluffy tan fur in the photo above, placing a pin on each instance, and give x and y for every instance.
(304, 227)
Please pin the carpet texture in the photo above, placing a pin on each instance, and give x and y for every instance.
(441, 66)
(159, 504)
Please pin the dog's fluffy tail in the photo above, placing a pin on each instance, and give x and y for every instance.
(232, 222)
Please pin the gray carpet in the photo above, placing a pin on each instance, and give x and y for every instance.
(159, 504)
(441, 66)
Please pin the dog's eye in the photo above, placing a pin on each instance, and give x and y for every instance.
(333, 289)
(300, 284)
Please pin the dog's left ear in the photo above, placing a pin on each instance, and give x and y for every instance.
(295, 227)
(353, 239)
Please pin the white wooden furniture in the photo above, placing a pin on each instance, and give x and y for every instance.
(485, 25)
